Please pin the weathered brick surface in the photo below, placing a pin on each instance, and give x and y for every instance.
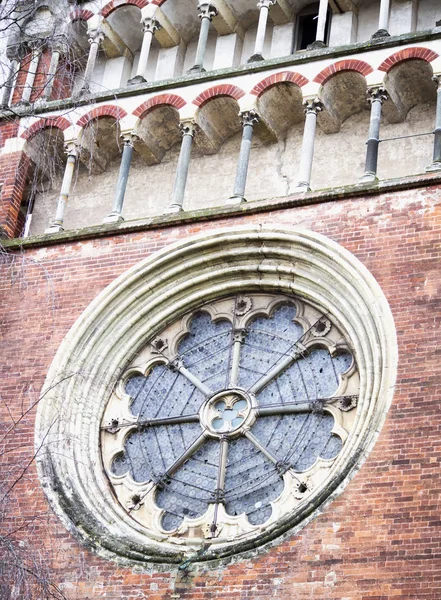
(381, 538)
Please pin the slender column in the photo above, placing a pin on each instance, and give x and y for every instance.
(150, 27)
(72, 153)
(9, 87)
(321, 23)
(96, 36)
(126, 160)
(436, 164)
(188, 130)
(263, 6)
(312, 108)
(376, 97)
(249, 119)
(206, 12)
(383, 21)
(32, 71)
(55, 59)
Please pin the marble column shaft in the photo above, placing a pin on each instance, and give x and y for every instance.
(376, 97)
(437, 141)
(321, 21)
(50, 78)
(72, 153)
(312, 108)
(206, 13)
(188, 130)
(249, 119)
(32, 72)
(264, 6)
(150, 27)
(121, 186)
(96, 36)
(9, 87)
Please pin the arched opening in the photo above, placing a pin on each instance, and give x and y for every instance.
(46, 152)
(282, 107)
(126, 23)
(408, 140)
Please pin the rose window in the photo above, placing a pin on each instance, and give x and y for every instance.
(229, 418)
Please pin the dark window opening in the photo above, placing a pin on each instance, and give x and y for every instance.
(306, 29)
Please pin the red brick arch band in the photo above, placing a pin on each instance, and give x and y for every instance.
(218, 90)
(407, 54)
(284, 76)
(102, 111)
(170, 99)
(343, 65)
(58, 123)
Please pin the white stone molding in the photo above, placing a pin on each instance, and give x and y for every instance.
(136, 307)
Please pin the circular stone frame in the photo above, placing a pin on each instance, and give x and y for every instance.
(154, 293)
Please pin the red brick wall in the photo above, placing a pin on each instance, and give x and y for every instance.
(381, 539)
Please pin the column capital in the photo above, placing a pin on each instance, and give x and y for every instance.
(377, 94)
(313, 106)
(188, 128)
(207, 11)
(249, 117)
(72, 148)
(15, 52)
(129, 138)
(265, 3)
(95, 36)
(149, 24)
(60, 47)
(35, 46)
(437, 79)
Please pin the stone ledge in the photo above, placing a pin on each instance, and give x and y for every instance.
(220, 212)
(189, 79)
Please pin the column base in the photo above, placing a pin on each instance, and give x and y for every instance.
(113, 218)
(235, 200)
(381, 33)
(173, 209)
(315, 45)
(435, 166)
(369, 178)
(196, 69)
(255, 58)
(137, 80)
(301, 188)
(54, 228)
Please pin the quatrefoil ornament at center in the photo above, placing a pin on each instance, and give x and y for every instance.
(228, 413)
